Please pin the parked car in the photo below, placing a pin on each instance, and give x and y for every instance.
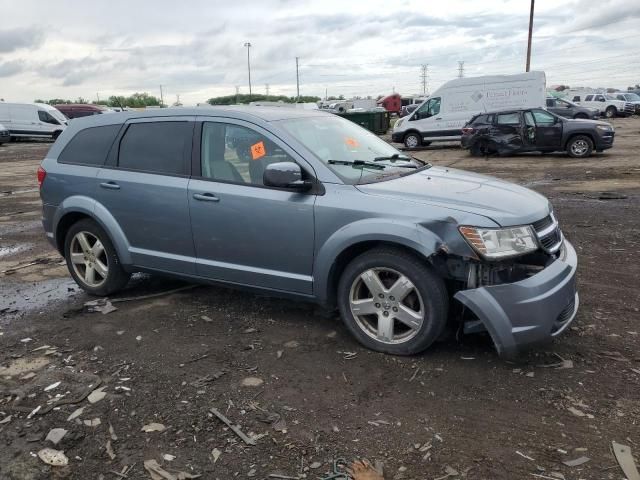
(4, 134)
(566, 108)
(76, 110)
(630, 97)
(311, 206)
(442, 116)
(608, 105)
(36, 120)
(535, 130)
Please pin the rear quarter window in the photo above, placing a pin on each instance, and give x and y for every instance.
(89, 146)
(156, 147)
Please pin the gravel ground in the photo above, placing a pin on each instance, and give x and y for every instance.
(295, 381)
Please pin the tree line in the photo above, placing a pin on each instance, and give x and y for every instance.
(136, 100)
(246, 98)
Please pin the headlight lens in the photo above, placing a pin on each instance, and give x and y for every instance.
(500, 243)
(605, 128)
(399, 122)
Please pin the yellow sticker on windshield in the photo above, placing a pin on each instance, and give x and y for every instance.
(351, 142)
(257, 150)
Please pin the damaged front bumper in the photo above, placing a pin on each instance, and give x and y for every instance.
(531, 311)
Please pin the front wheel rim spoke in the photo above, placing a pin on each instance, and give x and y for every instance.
(365, 306)
(83, 242)
(77, 258)
(101, 268)
(373, 283)
(385, 328)
(98, 248)
(401, 288)
(90, 275)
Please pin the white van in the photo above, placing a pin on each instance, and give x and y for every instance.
(443, 114)
(32, 120)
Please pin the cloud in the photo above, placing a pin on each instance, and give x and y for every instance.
(14, 39)
(8, 69)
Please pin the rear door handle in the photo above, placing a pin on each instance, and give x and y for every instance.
(110, 185)
(438, 118)
(206, 197)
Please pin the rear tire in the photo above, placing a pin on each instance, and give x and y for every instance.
(92, 260)
(412, 140)
(407, 302)
(579, 146)
(611, 112)
(479, 149)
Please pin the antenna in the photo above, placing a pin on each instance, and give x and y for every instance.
(297, 81)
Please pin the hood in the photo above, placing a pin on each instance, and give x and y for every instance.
(582, 121)
(503, 202)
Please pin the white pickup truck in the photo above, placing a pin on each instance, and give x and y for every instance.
(608, 105)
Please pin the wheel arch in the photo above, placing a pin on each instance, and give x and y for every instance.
(76, 208)
(410, 131)
(338, 251)
(571, 135)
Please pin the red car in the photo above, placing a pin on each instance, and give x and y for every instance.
(75, 110)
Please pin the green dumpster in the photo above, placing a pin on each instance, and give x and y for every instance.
(376, 122)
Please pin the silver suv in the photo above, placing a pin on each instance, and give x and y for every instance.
(311, 206)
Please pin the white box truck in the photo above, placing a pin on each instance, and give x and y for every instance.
(443, 114)
(32, 120)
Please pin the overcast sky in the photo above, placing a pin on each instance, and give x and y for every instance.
(67, 49)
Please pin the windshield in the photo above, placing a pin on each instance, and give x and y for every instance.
(632, 97)
(55, 113)
(333, 139)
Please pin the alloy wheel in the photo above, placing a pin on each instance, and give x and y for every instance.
(89, 259)
(411, 141)
(579, 147)
(386, 305)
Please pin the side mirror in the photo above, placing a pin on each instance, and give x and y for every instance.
(285, 175)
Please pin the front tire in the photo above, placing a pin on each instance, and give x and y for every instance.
(611, 112)
(392, 302)
(579, 146)
(412, 140)
(581, 116)
(92, 260)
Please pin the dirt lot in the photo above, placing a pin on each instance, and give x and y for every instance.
(314, 394)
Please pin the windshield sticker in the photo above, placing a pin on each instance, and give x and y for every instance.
(258, 150)
(351, 142)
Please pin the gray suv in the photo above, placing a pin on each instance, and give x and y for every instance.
(311, 206)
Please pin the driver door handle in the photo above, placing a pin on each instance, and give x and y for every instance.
(438, 118)
(206, 197)
(110, 185)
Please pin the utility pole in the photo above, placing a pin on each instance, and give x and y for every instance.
(297, 82)
(266, 87)
(237, 92)
(98, 96)
(161, 97)
(530, 35)
(460, 69)
(423, 76)
(248, 45)
(326, 92)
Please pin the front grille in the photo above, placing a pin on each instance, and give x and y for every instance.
(564, 316)
(548, 233)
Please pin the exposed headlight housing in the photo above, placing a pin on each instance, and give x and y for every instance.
(499, 243)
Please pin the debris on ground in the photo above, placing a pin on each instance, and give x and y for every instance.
(158, 473)
(576, 462)
(76, 413)
(52, 386)
(55, 458)
(611, 196)
(234, 428)
(625, 460)
(55, 435)
(525, 456)
(94, 422)
(358, 470)
(153, 427)
(168, 457)
(97, 395)
(110, 451)
(215, 454)
(102, 305)
(251, 382)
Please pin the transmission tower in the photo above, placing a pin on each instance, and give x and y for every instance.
(424, 77)
(461, 69)
(266, 87)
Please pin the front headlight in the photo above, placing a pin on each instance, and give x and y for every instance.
(604, 128)
(495, 244)
(399, 122)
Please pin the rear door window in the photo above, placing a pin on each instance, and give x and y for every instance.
(551, 102)
(588, 98)
(90, 146)
(508, 119)
(156, 147)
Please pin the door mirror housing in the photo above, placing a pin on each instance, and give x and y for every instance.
(285, 175)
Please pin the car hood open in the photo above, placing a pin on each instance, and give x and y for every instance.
(503, 202)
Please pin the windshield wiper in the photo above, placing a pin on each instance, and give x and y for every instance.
(363, 164)
(393, 158)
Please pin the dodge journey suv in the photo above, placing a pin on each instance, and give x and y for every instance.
(311, 206)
